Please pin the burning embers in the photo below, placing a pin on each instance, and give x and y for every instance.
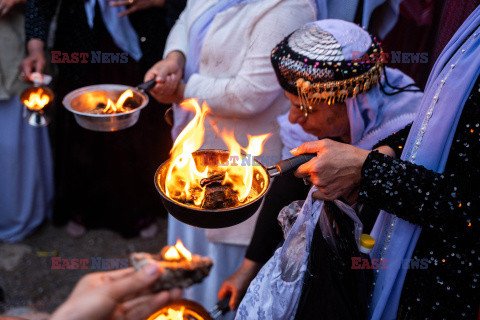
(179, 268)
(210, 180)
(37, 99)
(107, 106)
(171, 314)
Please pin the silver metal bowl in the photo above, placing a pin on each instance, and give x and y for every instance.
(82, 100)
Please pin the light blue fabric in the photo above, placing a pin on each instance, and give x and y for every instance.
(374, 115)
(428, 144)
(350, 37)
(121, 30)
(26, 175)
(385, 20)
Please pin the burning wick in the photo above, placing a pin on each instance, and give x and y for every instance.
(177, 252)
(37, 100)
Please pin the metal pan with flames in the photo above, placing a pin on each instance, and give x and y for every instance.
(214, 218)
(190, 310)
(215, 188)
(230, 216)
(84, 102)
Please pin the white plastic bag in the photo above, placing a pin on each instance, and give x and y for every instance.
(276, 290)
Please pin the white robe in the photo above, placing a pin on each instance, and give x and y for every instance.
(237, 81)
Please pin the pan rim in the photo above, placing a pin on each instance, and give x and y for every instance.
(213, 211)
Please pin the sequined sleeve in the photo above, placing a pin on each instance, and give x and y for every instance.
(448, 202)
(38, 16)
(396, 141)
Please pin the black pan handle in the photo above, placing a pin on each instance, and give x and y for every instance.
(291, 164)
(220, 308)
(147, 85)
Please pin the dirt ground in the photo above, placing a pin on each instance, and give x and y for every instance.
(34, 279)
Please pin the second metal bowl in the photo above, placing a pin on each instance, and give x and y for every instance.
(85, 99)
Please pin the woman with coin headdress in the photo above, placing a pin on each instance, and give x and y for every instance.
(333, 74)
(426, 179)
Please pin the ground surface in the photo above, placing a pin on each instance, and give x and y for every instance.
(27, 280)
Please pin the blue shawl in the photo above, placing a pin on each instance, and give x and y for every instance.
(428, 144)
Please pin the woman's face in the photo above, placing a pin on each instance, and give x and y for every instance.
(324, 121)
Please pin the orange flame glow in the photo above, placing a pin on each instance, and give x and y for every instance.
(171, 254)
(183, 251)
(118, 106)
(172, 314)
(241, 176)
(177, 252)
(37, 100)
(183, 177)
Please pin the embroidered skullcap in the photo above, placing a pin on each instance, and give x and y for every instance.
(324, 61)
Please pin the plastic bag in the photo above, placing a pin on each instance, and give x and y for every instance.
(276, 291)
(331, 286)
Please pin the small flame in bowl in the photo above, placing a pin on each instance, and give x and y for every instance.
(37, 100)
(115, 107)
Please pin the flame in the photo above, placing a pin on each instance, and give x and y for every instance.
(241, 176)
(183, 177)
(177, 252)
(118, 106)
(183, 251)
(172, 314)
(171, 254)
(37, 100)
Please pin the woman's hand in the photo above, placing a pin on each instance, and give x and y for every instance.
(119, 295)
(168, 73)
(336, 170)
(237, 284)
(135, 5)
(35, 61)
(7, 5)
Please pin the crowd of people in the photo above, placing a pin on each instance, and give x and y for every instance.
(394, 159)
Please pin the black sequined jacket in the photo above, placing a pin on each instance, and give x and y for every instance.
(447, 207)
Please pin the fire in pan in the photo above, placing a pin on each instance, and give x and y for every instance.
(108, 107)
(216, 188)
